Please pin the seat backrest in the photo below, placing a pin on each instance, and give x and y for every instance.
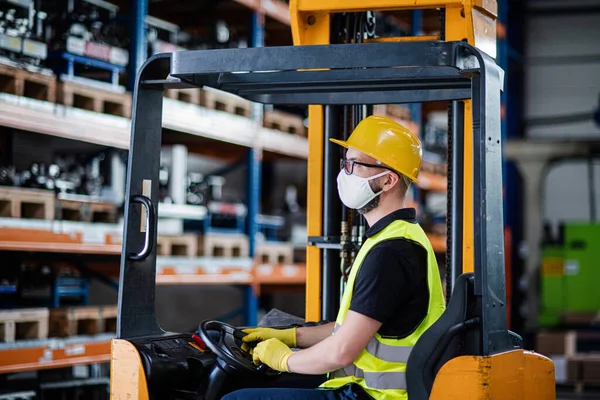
(455, 333)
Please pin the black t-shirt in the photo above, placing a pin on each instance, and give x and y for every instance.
(391, 286)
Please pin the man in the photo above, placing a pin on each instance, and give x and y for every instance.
(393, 294)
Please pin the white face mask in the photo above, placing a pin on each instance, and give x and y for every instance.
(355, 191)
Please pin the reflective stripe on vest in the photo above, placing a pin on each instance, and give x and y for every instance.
(375, 380)
(381, 368)
(395, 354)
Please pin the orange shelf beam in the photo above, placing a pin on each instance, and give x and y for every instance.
(203, 279)
(438, 242)
(282, 274)
(260, 274)
(16, 239)
(76, 248)
(46, 357)
(431, 181)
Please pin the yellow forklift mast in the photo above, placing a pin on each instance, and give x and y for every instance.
(340, 71)
(472, 21)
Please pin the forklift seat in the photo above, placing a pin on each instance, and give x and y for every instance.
(454, 334)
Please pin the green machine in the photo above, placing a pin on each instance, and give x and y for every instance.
(570, 275)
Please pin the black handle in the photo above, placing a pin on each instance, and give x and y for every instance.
(150, 224)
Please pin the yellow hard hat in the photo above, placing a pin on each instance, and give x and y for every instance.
(388, 142)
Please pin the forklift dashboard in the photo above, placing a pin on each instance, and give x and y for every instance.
(200, 366)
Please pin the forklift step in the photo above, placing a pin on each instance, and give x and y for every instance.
(285, 122)
(218, 100)
(26, 203)
(191, 96)
(85, 211)
(88, 320)
(25, 83)
(223, 245)
(275, 253)
(77, 95)
(184, 245)
(19, 324)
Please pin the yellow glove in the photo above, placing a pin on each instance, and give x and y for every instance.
(274, 353)
(287, 336)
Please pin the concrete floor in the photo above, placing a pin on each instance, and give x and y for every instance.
(568, 394)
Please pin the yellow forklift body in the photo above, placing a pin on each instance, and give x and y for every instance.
(512, 375)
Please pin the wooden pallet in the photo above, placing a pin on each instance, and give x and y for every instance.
(285, 122)
(94, 99)
(184, 245)
(439, 169)
(25, 83)
(393, 111)
(86, 211)
(191, 96)
(26, 203)
(21, 324)
(87, 320)
(223, 245)
(275, 253)
(222, 101)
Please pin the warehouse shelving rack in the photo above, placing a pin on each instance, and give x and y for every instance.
(200, 127)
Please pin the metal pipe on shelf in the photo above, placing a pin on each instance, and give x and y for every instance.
(118, 176)
(178, 178)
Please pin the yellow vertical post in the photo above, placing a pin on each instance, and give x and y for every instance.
(473, 22)
(314, 211)
(313, 28)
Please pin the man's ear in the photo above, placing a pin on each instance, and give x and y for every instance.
(391, 180)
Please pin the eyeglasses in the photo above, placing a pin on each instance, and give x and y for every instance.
(348, 165)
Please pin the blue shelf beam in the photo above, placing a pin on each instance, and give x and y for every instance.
(254, 178)
(253, 196)
(416, 108)
(138, 51)
(251, 300)
(253, 182)
(58, 60)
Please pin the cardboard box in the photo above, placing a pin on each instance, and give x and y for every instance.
(591, 369)
(556, 343)
(575, 368)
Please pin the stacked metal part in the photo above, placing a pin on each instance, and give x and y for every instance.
(21, 29)
(86, 28)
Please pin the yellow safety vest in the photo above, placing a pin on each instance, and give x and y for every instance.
(381, 367)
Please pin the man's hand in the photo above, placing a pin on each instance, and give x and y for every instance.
(287, 336)
(274, 353)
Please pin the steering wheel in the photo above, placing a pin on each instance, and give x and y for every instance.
(228, 348)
